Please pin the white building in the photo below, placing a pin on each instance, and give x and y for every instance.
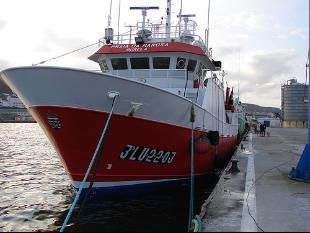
(270, 122)
(10, 101)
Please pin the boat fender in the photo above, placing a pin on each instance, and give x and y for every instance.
(202, 144)
(193, 115)
(196, 83)
(205, 83)
(214, 137)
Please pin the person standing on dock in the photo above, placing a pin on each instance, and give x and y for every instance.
(264, 130)
(261, 130)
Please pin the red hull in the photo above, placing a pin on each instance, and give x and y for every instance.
(80, 130)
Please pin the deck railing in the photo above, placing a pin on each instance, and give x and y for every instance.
(158, 34)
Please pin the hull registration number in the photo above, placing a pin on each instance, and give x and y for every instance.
(147, 155)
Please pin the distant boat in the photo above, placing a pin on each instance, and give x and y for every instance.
(162, 75)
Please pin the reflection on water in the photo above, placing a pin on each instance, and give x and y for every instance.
(35, 193)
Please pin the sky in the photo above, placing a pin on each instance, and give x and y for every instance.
(262, 43)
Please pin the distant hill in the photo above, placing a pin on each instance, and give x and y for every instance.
(4, 88)
(252, 108)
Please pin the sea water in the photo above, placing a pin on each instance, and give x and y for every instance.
(35, 193)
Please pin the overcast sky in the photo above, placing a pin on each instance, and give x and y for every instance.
(269, 36)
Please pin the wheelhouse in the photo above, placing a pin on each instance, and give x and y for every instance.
(172, 58)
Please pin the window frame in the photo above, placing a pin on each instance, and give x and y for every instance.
(161, 68)
(119, 68)
(137, 58)
(194, 68)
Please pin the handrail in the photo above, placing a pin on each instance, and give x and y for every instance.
(224, 124)
(151, 73)
(159, 32)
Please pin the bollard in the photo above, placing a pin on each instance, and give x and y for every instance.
(234, 166)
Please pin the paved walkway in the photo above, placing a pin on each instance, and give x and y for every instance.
(261, 197)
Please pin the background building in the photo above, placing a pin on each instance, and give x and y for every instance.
(294, 104)
(270, 122)
(13, 110)
(10, 101)
(15, 115)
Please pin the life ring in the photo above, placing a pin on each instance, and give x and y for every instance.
(181, 64)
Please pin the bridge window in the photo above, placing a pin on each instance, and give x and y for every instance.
(191, 65)
(181, 63)
(119, 63)
(161, 63)
(140, 63)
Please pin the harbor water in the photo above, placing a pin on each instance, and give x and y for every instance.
(36, 194)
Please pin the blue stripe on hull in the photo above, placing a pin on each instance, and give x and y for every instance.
(136, 190)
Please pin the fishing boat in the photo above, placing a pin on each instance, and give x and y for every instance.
(158, 95)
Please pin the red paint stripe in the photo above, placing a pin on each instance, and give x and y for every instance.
(80, 131)
(147, 48)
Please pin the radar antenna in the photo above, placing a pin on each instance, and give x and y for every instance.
(144, 34)
(144, 12)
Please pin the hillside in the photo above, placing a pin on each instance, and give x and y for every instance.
(252, 108)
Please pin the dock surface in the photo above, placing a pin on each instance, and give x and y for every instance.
(261, 197)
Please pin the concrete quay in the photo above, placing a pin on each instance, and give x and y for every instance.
(261, 197)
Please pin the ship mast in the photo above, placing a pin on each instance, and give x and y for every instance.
(168, 24)
(208, 28)
(109, 32)
(110, 15)
(119, 17)
(180, 18)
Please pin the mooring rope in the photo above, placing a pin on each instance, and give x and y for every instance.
(90, 166)
(65, 54)
(194, 224)
(91, 182)
(197, 224)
